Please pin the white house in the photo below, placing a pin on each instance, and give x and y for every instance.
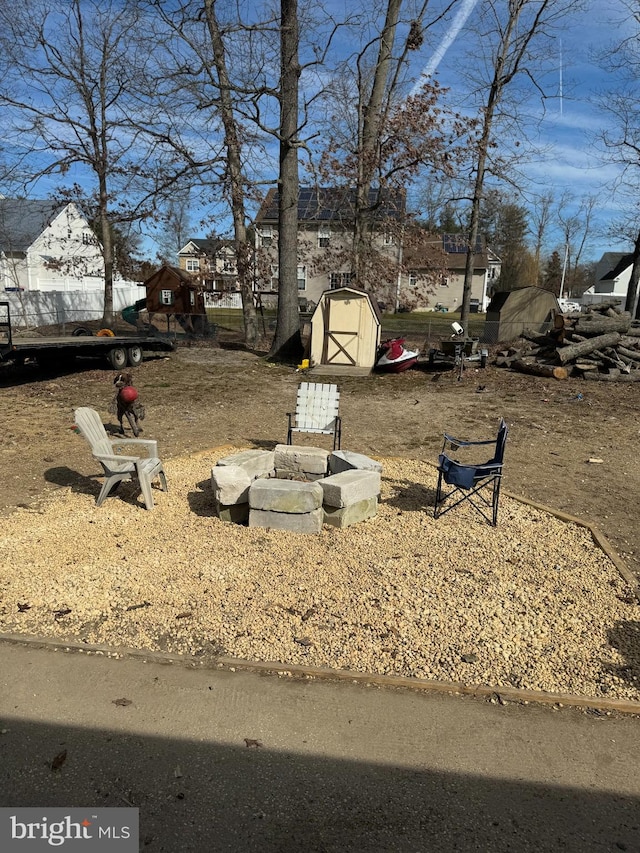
(47, 245)
(51, 263)
(612, 276)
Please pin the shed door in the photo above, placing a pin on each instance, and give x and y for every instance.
(342, 331)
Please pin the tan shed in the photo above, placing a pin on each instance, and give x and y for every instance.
(512, 311)
(345, 332)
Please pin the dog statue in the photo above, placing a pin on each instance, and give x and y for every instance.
(126, 403)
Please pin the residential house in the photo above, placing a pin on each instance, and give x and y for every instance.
(325, 235)
(48, 246)
(212, 261)
(415, 271)
(434, 270)
(612, 276)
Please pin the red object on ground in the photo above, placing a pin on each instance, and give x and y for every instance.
(128, 394)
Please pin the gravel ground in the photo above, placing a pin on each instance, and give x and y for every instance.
(533, 603)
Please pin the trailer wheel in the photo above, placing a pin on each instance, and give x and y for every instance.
(483, 360)
(117, 357)
(134, 355)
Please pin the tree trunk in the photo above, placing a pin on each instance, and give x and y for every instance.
(107, 253)
(369, 121)
(574, 351)
(236, 183)
(631, 303)
(287, 341)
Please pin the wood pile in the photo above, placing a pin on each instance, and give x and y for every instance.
(600, 344)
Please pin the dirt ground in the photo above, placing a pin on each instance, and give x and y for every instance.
(202, 397)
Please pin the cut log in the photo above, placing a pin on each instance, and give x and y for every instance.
(574, 351)
(593, 324)
(634, 376)
(631, 354)
(604, 306)
(536, 368)
(584, 366)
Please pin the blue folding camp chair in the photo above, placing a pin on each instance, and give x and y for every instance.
(478, 484)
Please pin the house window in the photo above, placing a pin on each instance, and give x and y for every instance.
(324, 237)
(192, 298)
(340, 279)
(193, 264)
(266, 236)
(302, 278)
(389, 238)
(87, 238)
(166, 297)
(413, 278)
(274, 276)
(444, 281)
(227, 266)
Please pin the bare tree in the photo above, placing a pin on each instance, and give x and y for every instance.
(68, 72)
(509, 30)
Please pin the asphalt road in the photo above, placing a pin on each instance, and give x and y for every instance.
(231, 761)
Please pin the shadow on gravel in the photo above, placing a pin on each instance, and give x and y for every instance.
(202, 797)
(82, 485)
(625, 637)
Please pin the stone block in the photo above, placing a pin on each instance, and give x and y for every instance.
(301, 522)
(257, 463)
(349, 487)
(286, 496)
(346, 515)
(300, 459)
(230, 484)
(347, 460)
(234, 514)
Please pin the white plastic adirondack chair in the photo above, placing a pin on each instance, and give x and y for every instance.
(116, 466)
(316, 411)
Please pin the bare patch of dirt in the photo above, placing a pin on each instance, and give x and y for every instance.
(203, 397)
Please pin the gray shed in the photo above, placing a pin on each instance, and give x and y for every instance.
(512, 311)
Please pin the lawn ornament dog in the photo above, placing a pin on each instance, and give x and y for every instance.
(126, 403)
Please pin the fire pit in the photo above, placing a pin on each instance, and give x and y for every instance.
(296, 488)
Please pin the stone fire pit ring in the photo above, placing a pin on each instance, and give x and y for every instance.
(296, 488)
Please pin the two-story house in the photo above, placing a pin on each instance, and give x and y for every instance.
(212, 262)
(411, 270)
(325, 240)
(434, 270)
(48, 246)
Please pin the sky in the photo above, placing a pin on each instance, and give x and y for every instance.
(568, 129)
(565, 131)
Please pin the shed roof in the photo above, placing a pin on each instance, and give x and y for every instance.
(182, 276)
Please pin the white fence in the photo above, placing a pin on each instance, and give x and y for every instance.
(43, 308)
(222, 300)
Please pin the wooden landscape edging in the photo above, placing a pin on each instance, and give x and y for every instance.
(500, 694)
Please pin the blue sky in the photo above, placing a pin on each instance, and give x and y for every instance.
(566, 130)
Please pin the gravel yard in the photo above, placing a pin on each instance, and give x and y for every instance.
(534, 603)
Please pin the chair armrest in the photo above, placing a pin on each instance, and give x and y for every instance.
(462, 443)
(105, 457)
(150, 444)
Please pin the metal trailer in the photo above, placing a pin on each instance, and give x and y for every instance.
(457, 352)
(117, 351)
